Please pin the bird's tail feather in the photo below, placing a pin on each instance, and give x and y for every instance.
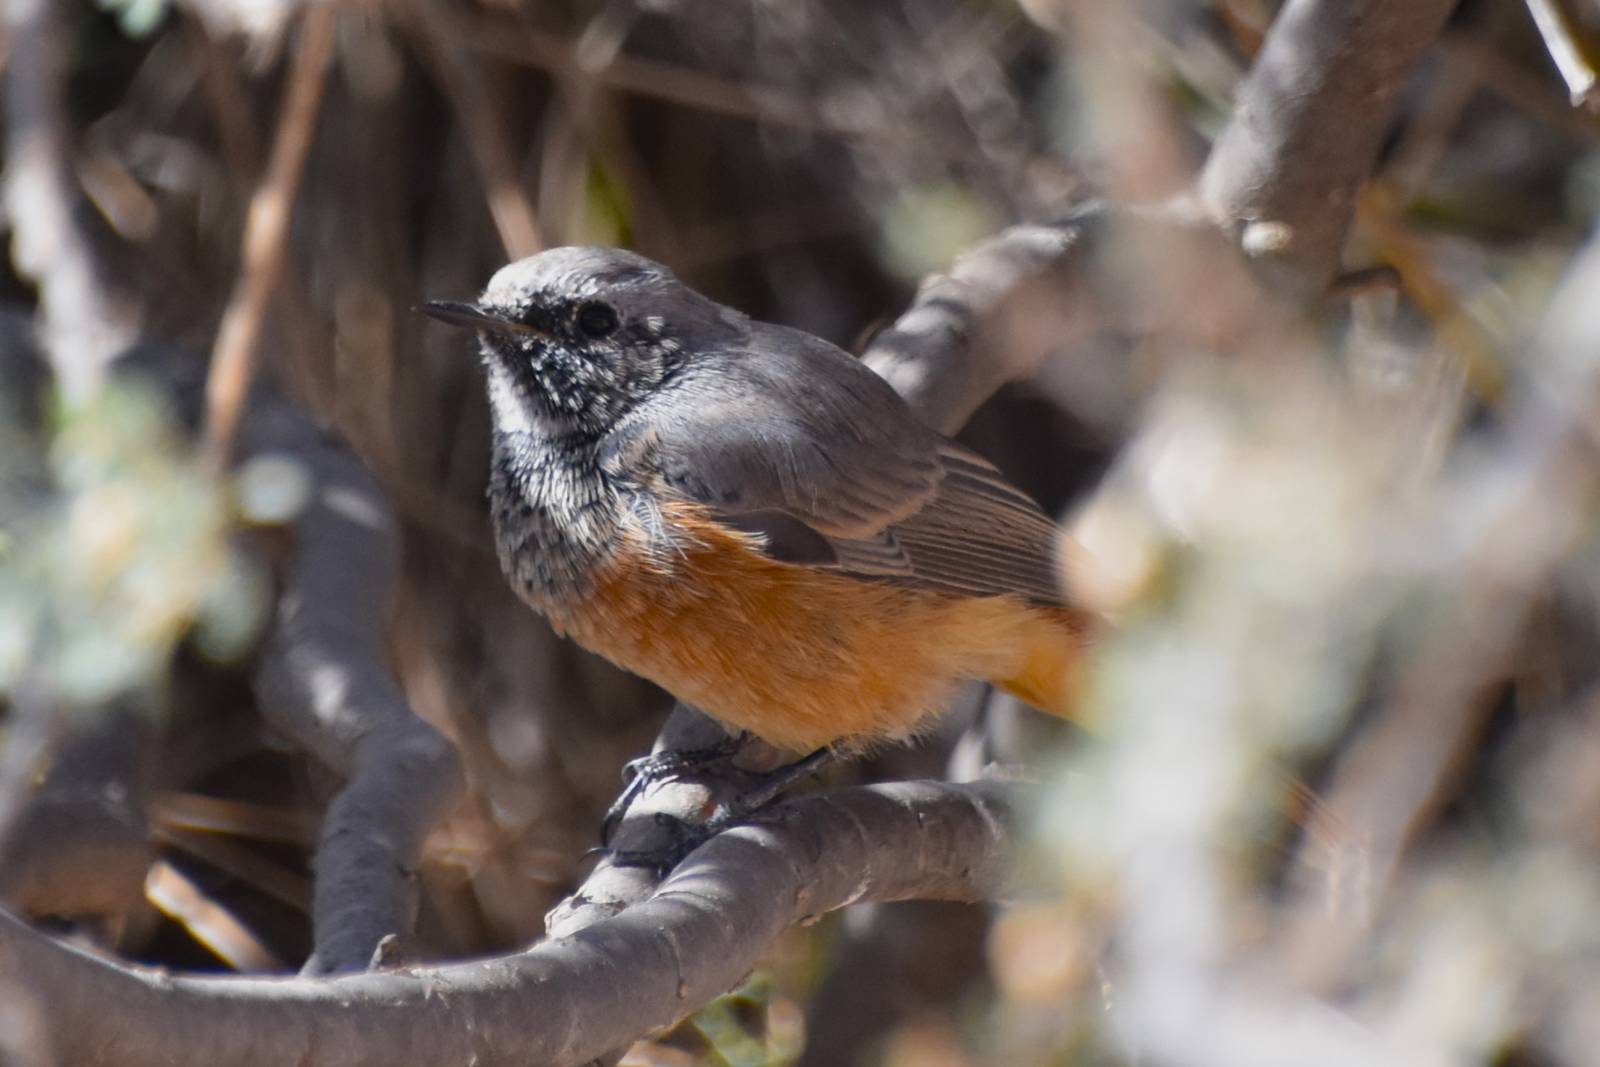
(1046, 675)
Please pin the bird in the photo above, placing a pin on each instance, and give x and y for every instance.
(750, 517)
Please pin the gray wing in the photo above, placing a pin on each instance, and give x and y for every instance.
(981, 535)
(815, 453)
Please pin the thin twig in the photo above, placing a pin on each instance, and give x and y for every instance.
(305, 370)
(1379, 216)
(594, 117)
(249, 866)
(1564, 41)
(662, 81)
(513, 214)
(178, 897)
(229, 108)
(234, 356)
(1522, 90)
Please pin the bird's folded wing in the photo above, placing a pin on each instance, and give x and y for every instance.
(831, 469)
(977, 535)
(799, 427)
(981, 536)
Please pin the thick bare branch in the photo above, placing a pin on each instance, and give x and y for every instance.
(1306, 130)
(1002, 309)
(80, 847)
(323, 678)
(561, 1002)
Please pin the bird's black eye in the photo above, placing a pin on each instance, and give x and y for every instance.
(597, 319)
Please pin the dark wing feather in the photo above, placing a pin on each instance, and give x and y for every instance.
(810, 450)
(981, 536)
(790, 424)
(745, 456)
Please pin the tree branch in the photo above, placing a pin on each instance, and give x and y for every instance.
(80, 846)
(82, 325)
(561, 1002)
(953, 347)
(1306, 129)
(324, 680)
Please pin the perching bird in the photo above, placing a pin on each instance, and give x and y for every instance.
(749, 517)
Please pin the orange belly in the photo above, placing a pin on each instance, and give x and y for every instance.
(802, 657)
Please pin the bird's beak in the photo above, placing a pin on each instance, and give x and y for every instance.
(458, 313)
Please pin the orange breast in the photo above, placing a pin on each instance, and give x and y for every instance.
(802, 657)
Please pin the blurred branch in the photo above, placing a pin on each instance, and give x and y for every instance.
(558, 1003)
(323, 679)
(941, 354)
(662, 81)
(32, 731)
(1397, 773)
(82, 327)
(233, 357)
(303, 368)
(595, 119)
(1564, 41)
(208, 921)
(80, 846)
(1521, 89)
(229, 108)
(513, 215)
(1306, 129)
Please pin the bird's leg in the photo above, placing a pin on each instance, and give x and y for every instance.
(766, 787)
(639, 774)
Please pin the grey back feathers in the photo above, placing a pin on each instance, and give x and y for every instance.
(775, 431)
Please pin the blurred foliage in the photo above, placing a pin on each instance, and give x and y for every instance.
(925, 228)
(751, 1028)
(138, 18)
(122, 554)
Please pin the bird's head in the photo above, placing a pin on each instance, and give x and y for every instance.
(574, 338)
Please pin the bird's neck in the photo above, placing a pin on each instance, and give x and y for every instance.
(556, 514)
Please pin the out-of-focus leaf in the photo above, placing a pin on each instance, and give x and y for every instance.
(116, 561)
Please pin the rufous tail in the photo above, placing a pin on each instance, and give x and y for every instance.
(1047, 674)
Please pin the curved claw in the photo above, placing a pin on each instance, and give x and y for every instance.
(640, 773)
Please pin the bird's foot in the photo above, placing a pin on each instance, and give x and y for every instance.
(686, 836)
(641, 773)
